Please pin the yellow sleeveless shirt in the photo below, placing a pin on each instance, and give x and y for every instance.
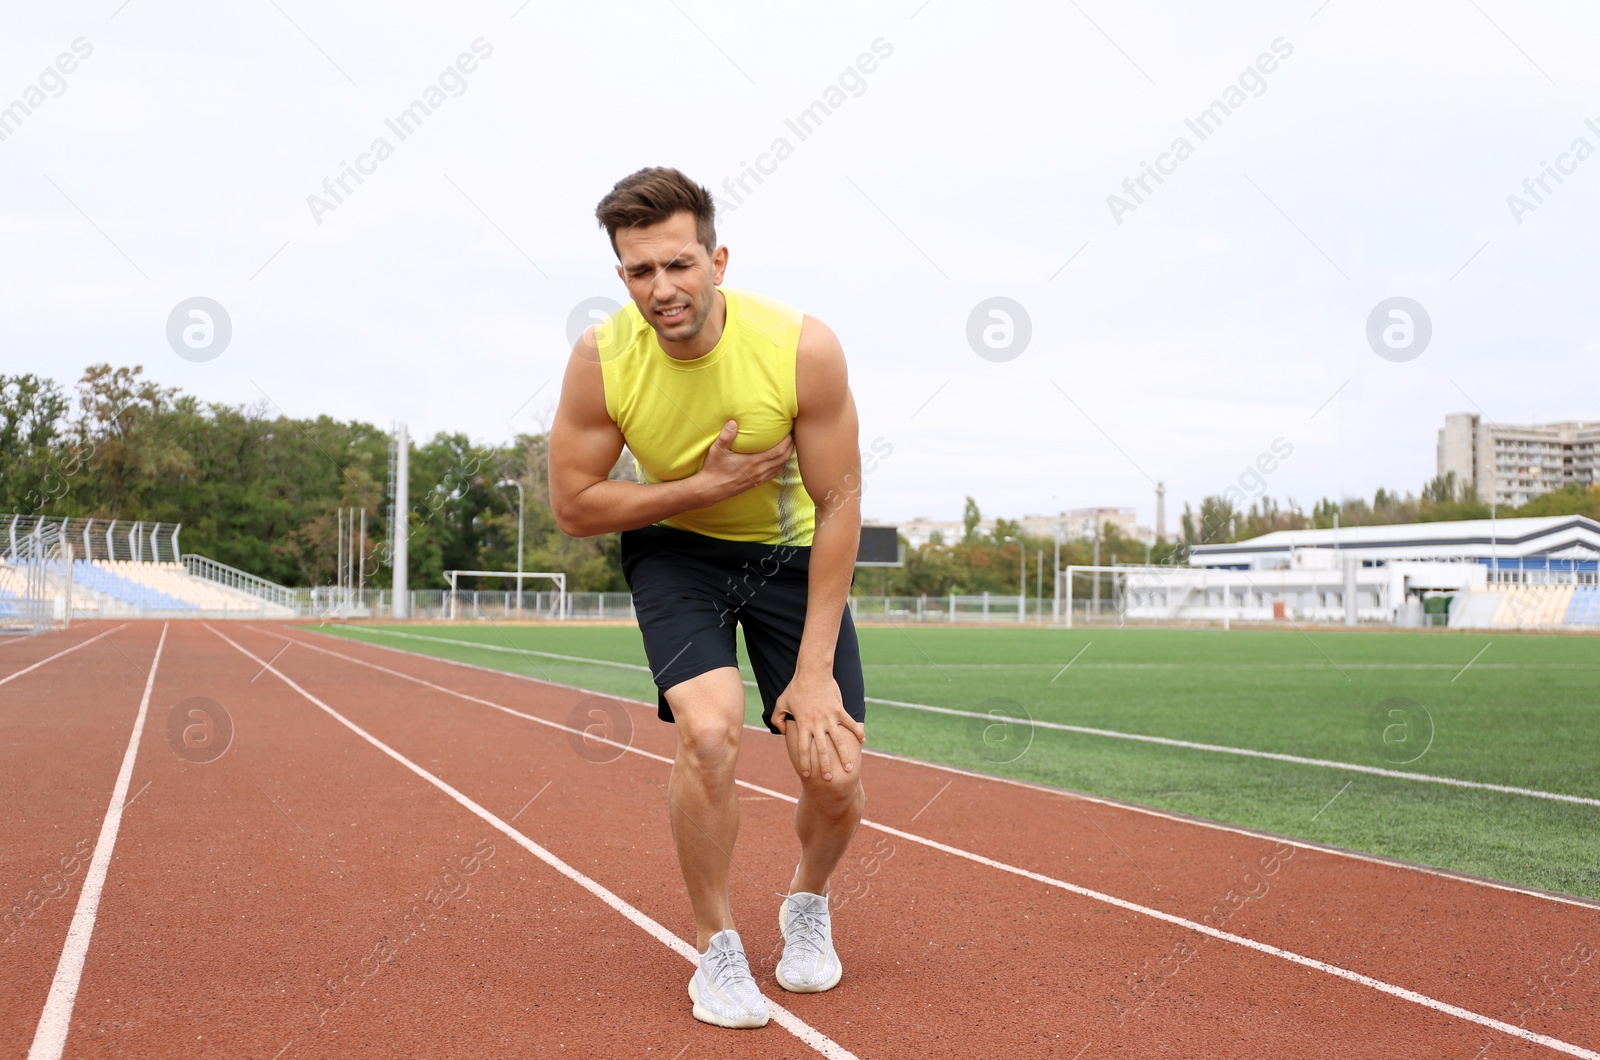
(671, 410)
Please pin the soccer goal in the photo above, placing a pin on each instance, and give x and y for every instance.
(35, 579)
(558, 611)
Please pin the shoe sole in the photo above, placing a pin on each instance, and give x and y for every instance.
(820, 987)
(705, 1015)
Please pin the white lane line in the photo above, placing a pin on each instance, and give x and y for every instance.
(1133, 907)
(59, 654)
(50, 1038)
(1166, 741)
(1446, 667)
(1275, 756)
(1302, 844)
(1261, 947)
(1199, 822)
(510, 651)
(786, 1019)
(464, 643)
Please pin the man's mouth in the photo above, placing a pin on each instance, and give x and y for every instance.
(672, 312)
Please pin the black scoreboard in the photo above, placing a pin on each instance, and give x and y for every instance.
(880, 547)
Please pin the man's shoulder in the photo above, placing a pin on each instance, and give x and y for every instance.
(777, 321)
(760, 303)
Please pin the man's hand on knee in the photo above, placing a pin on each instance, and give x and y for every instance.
(821, 734)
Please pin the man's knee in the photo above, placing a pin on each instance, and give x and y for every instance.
(837, 798)
(709, 746)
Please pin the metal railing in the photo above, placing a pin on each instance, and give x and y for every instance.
(1514, 576)
(953, 607)
(474, 605)
(97, 539)
(295, 600)
(40, 566)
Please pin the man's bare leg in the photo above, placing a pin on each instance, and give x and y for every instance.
(703, 803)
(827, 814)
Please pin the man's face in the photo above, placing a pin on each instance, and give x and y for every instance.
(670, 276)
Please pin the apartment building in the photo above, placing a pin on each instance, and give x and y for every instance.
(1512, 463)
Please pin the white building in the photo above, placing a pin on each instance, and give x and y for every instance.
(1510, 464)
(921, 530)
(1508, 573)
(1080, 523)
(1557, 543)
(1087, 523)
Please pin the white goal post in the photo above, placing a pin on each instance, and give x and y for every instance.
(36, 572)
(559, 578)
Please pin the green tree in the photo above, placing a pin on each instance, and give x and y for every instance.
(1571, 499)
(32, 413)
(970, 518)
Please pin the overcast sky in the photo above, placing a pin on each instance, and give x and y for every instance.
(1175, 336)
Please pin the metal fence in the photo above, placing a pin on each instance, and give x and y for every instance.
(465, 605)
(36, 582)
(96, 539)
(486, 604)
(984, 607)
(293, 600)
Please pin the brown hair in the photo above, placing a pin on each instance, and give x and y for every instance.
(652, 195)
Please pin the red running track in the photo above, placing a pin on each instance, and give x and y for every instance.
(401, 855)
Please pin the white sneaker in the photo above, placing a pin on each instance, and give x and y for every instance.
(723, 990)
(809, 965)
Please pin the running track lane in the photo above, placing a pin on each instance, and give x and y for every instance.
(258, 905)
(1170, 992)
(64, 728)
(245, 1009)
(37, 652)
(1473, 944)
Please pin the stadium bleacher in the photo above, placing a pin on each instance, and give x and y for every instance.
(1534, 606)
(160, 587)
(123, 586)
(1585, 607)
(109, 579)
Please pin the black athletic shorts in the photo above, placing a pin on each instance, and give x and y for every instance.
(690, 591)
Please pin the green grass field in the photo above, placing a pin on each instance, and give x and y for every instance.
(1524, 713)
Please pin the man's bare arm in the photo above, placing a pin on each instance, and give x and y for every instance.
(585, 444)
(827, 440)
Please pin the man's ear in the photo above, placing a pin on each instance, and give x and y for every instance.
(719, 264)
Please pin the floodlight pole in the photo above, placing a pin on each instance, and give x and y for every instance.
(400, 605)
(1038, 585)
(521, 511)
(1022, 579)
(1094, 606)
(1055, 588)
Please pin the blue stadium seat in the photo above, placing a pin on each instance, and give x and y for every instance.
(117, 587)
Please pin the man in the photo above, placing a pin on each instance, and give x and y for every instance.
(738, 412)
